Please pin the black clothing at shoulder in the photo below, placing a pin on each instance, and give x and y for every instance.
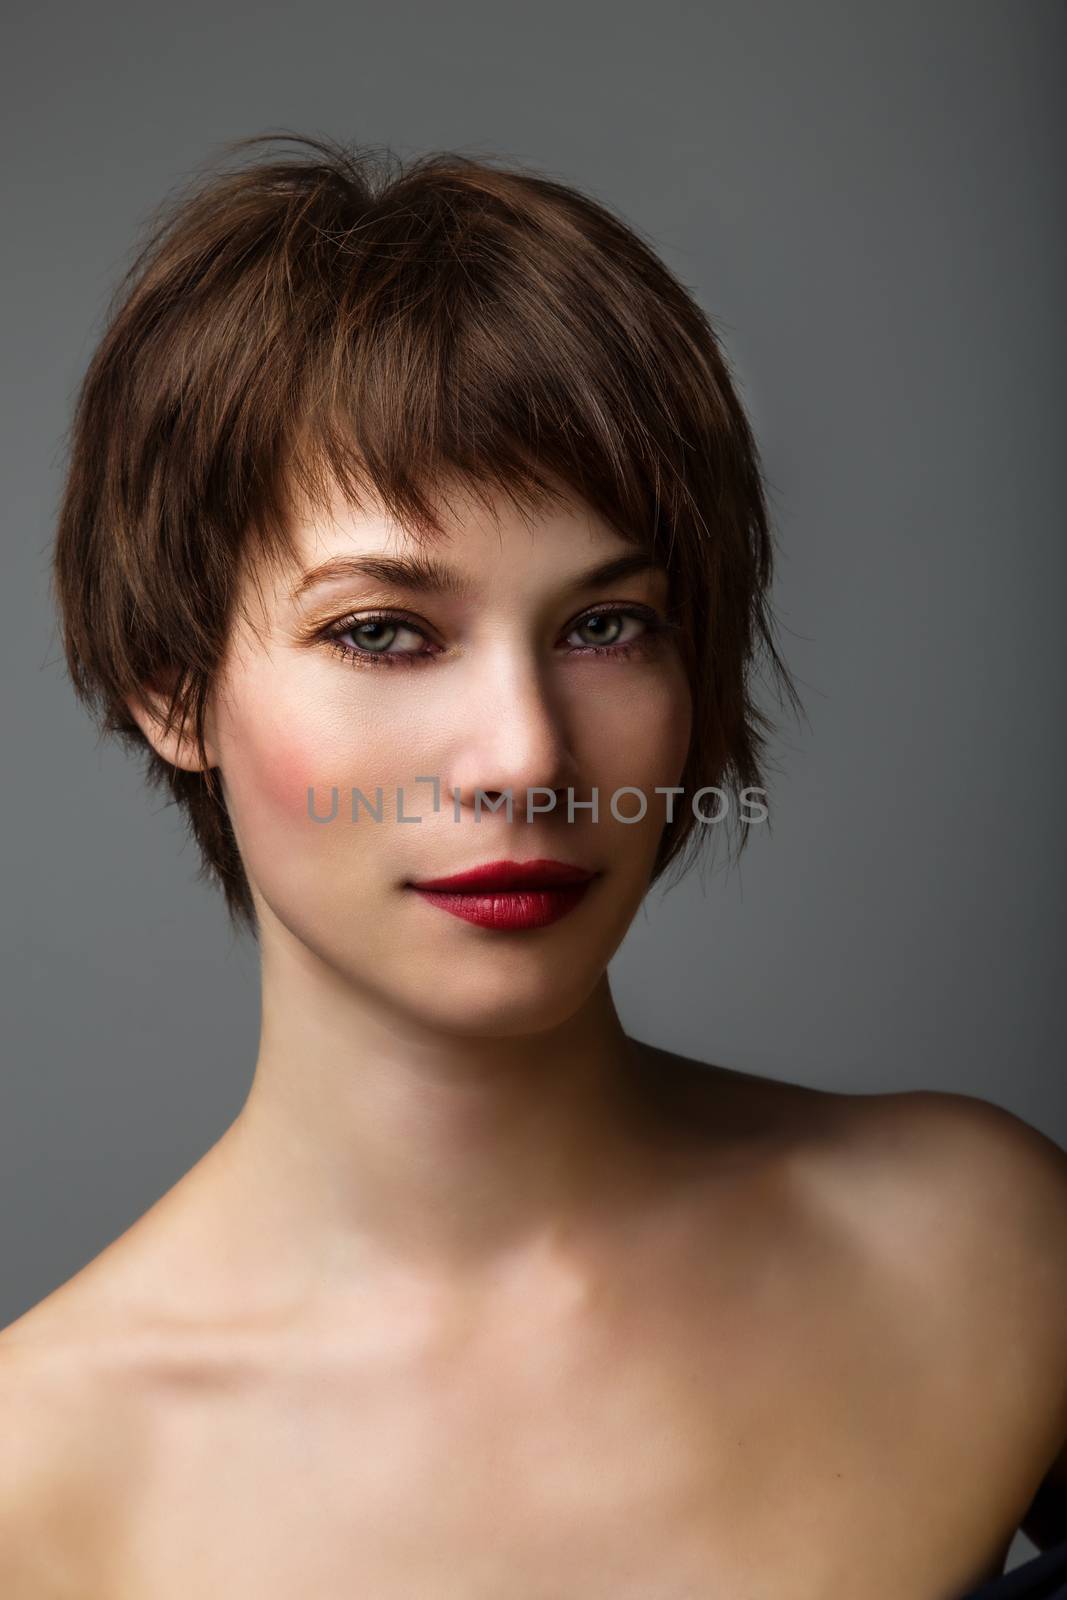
(1044, 1577)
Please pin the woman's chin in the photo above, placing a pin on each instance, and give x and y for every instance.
(501, 1006)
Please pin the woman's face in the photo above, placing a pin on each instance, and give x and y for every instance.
(520, 676)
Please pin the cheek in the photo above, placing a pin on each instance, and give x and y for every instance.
(675, 729)
(272, 751)
(640, 734)
(271, 765)
(294, 854)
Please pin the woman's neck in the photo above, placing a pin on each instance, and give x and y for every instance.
(368, 1143)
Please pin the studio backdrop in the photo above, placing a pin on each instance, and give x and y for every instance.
(868, 201)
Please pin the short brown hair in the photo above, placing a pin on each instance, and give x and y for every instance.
(343, 318)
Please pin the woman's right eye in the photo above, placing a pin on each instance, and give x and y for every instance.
(373, 638)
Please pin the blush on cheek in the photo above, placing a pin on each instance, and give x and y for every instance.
(275, 769)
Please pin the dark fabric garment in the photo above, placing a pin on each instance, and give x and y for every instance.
(1043, 1577)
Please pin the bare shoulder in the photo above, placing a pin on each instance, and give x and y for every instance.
(983, 1194)
(944, 1218)
(974, 1223)
(949, 1201)
(971, 1177)
(28, 1484)
(952, 1191)
(951, 1177)
(41, 1428)
(65, 1455)
(955, 1210)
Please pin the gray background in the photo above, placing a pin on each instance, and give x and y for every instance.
(869, 202)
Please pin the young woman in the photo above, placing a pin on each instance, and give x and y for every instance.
(415, 533)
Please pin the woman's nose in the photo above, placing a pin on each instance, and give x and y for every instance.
(511, 736)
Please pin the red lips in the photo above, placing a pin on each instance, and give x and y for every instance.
(504, 895)
(540, 874)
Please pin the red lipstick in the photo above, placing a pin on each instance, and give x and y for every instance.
(509, 894)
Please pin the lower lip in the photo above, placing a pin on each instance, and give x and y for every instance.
(509, 908)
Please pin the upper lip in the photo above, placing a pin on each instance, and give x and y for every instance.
(539, 874)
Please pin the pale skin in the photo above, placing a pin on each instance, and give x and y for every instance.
(479, 1295)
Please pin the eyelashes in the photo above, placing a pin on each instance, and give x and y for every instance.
(654, 632)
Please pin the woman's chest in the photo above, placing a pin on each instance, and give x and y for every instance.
(666, 1455)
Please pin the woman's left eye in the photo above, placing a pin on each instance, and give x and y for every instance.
(607, 627)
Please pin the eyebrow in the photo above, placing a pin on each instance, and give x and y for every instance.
(424, 574)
